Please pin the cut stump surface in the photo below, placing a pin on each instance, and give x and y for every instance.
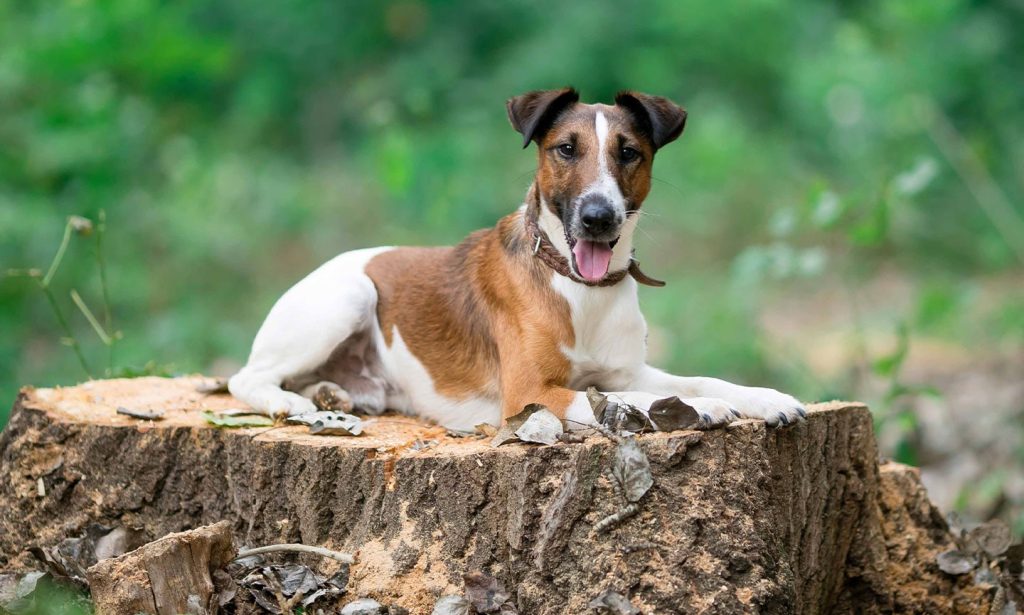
(742, 519)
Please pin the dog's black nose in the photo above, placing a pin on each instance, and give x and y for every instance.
(597, 216)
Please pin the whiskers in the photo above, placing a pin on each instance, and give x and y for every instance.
(669, 184)
(638, 213)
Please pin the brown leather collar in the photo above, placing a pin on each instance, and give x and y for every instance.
(550, 256)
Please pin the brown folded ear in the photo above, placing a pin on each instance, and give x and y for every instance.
(660, 118)
(533, 113)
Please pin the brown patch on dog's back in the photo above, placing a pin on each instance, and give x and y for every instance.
(426, 296)
(481, 317)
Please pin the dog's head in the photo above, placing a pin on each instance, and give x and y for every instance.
(594, 168)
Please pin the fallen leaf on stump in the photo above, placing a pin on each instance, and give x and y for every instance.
(486, 429)
(230, 422)
(70, 558)
(296, 583)
(598, 403)
(507, 433)
(672, 413)
(618, 416)
(541, 427)
(955, 562)
(993, 537)
(364, 606)
(632, 469)
(330, 423)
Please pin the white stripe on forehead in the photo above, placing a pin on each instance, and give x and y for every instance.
(605, 183)
(601, 128)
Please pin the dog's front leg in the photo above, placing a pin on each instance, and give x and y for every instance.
(572, 407)
(713, 412)
(773, 407)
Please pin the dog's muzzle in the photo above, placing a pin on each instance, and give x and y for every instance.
(594, 233)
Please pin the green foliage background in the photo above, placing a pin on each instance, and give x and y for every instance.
(236, 145)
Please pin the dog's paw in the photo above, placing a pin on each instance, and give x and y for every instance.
(713, 412)
(773, 407)
(291, 404)
(329, 396)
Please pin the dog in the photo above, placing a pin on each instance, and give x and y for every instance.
(534, 310)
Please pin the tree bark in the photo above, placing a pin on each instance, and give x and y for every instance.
(743, 519)
(169, 576)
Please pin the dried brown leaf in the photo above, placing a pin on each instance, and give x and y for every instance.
(993, 537)
(119, 541)
(330, 423)
(632, 469)
(541, 427)
(507, 433)
(364, 606)
(486, 429)
(598, 403)
(672, 413)
(955, 562)
(1015, 560)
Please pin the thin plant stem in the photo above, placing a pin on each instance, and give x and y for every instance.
(72, 340)
(101, 262)
(58, 257)
(96, 326)
(976, 177)
(44, 285)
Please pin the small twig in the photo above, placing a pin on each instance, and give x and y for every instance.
(600, 428)
(616, 518)
(643, 545)
(616, 487)
(344, 558)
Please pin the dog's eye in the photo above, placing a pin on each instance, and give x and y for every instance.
(567, 150)
(628, 154)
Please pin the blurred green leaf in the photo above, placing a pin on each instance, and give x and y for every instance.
(888, 365)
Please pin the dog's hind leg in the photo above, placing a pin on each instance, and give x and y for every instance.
(303, 328)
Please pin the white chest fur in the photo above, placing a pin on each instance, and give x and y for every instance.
(610, 333)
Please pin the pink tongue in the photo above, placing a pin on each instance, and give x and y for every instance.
(592, 259)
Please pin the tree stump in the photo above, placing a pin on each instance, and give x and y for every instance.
(169, 576)
(742, 519)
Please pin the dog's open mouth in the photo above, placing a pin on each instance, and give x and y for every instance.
(591, 259)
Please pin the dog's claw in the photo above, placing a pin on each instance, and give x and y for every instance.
(801, 412)
(735, 412)
(783, 419)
